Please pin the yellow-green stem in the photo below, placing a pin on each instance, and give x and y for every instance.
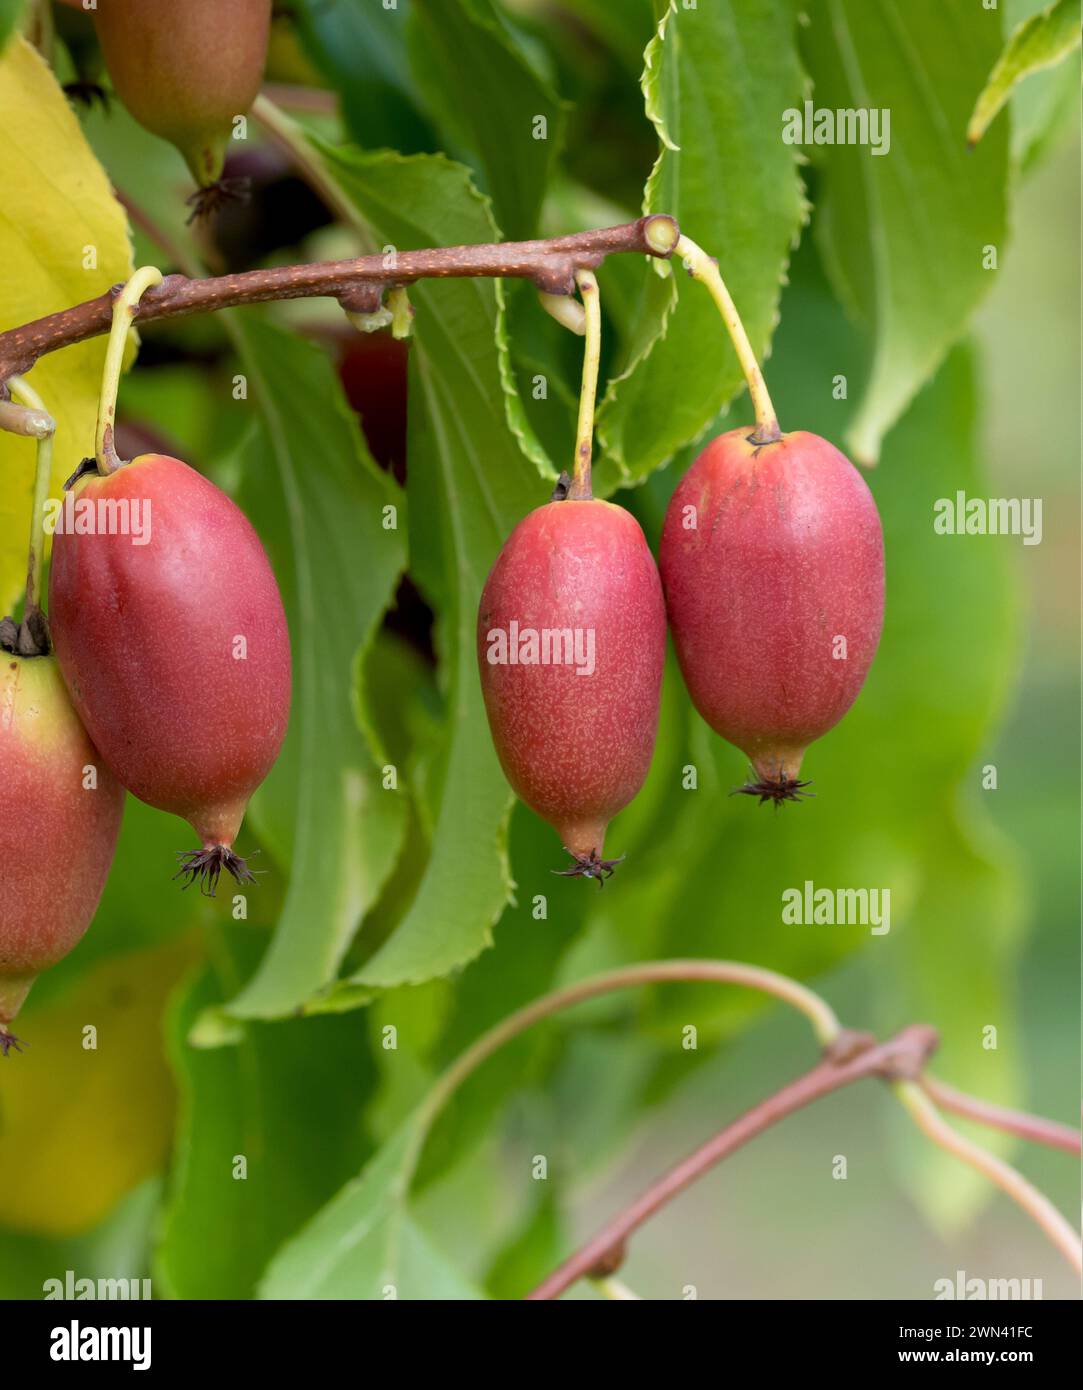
(704, 268)
(818, 1011)
(124, 307)
(613, 1288)
(567, 311)
(929, 1120)
(26, 395)
(580, 489)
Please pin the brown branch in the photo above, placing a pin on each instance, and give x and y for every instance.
(357, 284)
(984, 1112)
(851, 1059)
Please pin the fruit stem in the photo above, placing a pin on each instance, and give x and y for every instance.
(124, 307)
(704, 268)
(26, 395)
(567, 311)
(580, 490)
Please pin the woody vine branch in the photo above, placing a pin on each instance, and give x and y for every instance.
(359, 284)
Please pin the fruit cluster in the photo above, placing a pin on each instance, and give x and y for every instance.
(164, 667)
(168, 675)
(772, 569)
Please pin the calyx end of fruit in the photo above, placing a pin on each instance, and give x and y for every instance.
(208, 198)
(777, 789)
(8, 1042)
(589, 865)
(204, 866)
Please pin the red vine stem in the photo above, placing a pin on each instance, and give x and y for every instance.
(848, 1056)
(900, 1060)
(984, 1112)
(905, 1053)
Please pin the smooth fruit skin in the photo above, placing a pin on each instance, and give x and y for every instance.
(150, 640)
(57, 835)
(785, 557)
(576, 748)
(186, 70)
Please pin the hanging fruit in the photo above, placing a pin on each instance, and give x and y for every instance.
(175, 650)
(772, 561)
(59, 819)
(571, 642)
(186, 72)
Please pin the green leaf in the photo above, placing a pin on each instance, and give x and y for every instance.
(1042, 41)
(319, 503)
(10, 10)
(522, 965)
(733, 185)
(469, 484)
(365, 1245)
(623, 28)
(904, 233)
(492, 99)
(530, 1254)
(361, 48)
(287, 1099)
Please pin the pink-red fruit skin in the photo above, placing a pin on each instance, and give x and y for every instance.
(772, 561)
(575, 748)
(176, 652)
(60, 813)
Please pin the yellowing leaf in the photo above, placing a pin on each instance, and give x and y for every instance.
(80, 1127)
(63, 239)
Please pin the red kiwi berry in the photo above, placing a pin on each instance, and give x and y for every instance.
(172, 640)
(772, 561)
(60, 812)
(571, 641)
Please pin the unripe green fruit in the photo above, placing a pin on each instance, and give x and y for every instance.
(58, 827)
(175, 651)
(186, 71)
(575, 737)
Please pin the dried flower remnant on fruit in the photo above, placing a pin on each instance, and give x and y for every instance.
(589, 866)
(204, 866)
(777, 789)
